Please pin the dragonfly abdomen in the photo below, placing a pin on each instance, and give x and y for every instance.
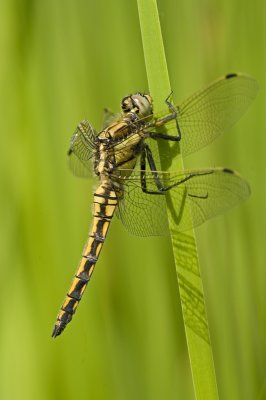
(104, 204)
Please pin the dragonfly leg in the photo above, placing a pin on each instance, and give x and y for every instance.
(164, 120)
(146, 153)
(185, 179)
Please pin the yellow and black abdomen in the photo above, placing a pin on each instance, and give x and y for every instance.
(105, 201)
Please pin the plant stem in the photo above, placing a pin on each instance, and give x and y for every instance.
(184, 245)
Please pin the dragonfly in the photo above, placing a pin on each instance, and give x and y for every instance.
(131, 182)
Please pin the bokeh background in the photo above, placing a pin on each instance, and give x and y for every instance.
(62, 61)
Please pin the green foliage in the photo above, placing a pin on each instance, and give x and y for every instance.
(63, 61)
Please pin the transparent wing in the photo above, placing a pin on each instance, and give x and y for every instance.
(81, 150)
(109, 117)
(196, 196)
(213, 110)
(142, 214)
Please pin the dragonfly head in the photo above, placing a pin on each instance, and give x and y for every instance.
(139, 103)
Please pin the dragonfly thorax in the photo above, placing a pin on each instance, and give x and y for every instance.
(138, 103)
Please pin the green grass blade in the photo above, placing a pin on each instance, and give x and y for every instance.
(184, 246)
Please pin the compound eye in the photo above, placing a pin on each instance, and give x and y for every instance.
(142, 103)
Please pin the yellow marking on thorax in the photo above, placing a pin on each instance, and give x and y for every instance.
(127, 149)
(128, 144)
(118, 130)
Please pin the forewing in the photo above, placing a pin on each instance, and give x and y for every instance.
(196, 196)
(211, 111)
(81, 150)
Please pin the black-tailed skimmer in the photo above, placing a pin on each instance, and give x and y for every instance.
(131, 182)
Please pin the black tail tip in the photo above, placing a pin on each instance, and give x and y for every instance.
(57, 330)
(61, 322)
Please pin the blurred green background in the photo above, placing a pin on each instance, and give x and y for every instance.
(62, 61)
